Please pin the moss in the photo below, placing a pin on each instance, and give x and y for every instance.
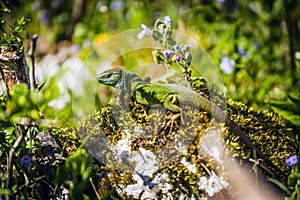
(67, 138)
(265, 129)
(159, 129)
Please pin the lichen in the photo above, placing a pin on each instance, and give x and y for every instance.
(158, 129)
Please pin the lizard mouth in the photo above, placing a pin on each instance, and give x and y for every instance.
(110, 77)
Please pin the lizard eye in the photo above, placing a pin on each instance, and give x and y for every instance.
(107, 76)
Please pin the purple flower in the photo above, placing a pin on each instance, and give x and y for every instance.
(75, 48)
(243, 53)
(221, 1)
(227, 65)
(145, 31)
(168, 20)
(44, 17)
(292, 160)
(26, 161)
(168, 53)
(177, 58)
(36, 5)
(116, 5)
(256, 44)
(56, 3)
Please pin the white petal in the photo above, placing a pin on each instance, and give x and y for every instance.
(141, 34)
(143, 26)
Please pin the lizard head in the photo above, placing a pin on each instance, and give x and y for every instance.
(111, 77)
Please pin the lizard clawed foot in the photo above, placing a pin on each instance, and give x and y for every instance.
(172, 119)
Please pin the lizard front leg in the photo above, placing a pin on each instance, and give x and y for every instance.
(170, 103)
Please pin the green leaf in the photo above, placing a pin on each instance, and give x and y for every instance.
(156, 35)
(281, 185)
(51, 91)
(4, 191)
(78, 165)
(41, 85)
(158, 23)
(290, 110)
(20, 101)
(293, 179)
(295, 100)
(61, 176)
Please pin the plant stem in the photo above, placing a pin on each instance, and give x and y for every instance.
(10, 161)
(33, 41)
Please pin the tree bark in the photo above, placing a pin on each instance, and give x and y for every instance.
(13, 68)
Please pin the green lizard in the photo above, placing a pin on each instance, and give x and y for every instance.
(149, 94)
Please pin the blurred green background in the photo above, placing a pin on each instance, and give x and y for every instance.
(256, 44)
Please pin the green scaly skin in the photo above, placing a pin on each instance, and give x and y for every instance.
(150, 94)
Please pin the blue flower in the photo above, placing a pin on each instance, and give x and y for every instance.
(292, 160)
(227, 65)
(168, 53)
(44, 17)
(36, 6)
(256, 44)
(145, 31)
(75, 48)
(242, 52)
(56, 3)
(116, 5)
(26, 161)
(177, 58)
(168, 20)
(221, 1)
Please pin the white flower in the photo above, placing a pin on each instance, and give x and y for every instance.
(227, 65)
(122, 148)
(202, 183)
(188, 165)
(213, 185)
(145, 31)
(167, 20)
(162, 182)
(180, 146)
(145, 166)
(135, 189)
(145, 188)
(297, 55)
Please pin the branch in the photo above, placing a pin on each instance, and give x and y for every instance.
(94, 188)
(31, 184)
(31, 51)
(10, 160)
